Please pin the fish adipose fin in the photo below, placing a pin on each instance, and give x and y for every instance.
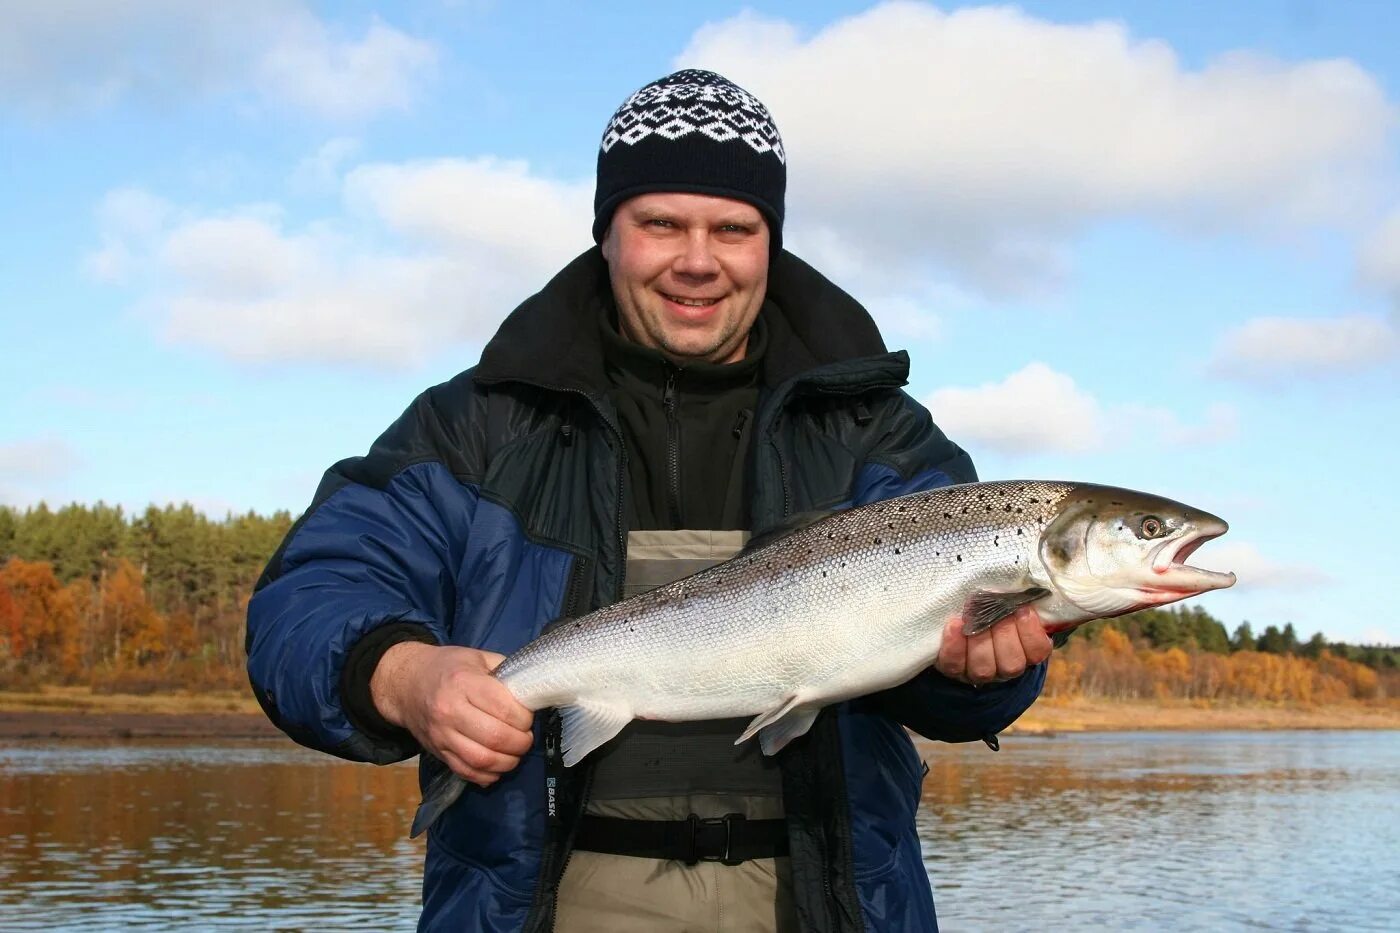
(985, 608)
(588, 725)
(442, 793)
(779, 726)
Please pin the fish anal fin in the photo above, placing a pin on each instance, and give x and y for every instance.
(588, 725)
(986, 608)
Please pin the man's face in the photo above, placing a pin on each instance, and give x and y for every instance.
(689, 272)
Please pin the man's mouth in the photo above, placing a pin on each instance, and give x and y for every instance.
(691, 302)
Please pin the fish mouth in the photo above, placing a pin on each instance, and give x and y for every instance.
(1174, 575)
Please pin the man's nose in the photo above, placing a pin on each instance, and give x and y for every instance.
(698, 258)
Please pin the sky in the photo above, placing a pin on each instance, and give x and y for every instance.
(1152, 245)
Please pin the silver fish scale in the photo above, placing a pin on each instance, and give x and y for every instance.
(850, 604)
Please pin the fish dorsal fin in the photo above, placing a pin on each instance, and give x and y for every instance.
(793, 523)
(588, 725)
(985, 608)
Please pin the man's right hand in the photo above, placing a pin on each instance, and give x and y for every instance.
(447, 697)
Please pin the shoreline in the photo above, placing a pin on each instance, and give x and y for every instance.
(77, 713)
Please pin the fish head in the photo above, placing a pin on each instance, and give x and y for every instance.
(1110, 551)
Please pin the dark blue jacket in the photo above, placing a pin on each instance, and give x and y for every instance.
(493, 506)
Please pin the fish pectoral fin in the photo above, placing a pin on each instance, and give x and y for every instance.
(775, 735)
(985, 608)
(442, 793)
(588, 725)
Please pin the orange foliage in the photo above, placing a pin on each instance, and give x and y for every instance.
(1110, 668)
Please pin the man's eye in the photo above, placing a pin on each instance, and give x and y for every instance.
(657, 222)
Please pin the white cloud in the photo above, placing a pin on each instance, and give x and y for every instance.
(427, 254)
(1256, 571)
(306, 66)
(321, 170)
(1039, 410)
(1380, 257)
(76, 54)
(1033, 410)
(980, 141)
(1277, 346)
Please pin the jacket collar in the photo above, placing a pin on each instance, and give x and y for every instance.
(552, 339)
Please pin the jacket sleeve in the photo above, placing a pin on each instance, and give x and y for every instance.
(367, 566)
(913, 455)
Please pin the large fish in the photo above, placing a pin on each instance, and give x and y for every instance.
(850, 604)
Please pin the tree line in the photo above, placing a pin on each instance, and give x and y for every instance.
(92, 595)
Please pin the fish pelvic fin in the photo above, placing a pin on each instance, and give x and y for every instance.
(588, 725)
(985, 608)
(781, 725)
(442, 793)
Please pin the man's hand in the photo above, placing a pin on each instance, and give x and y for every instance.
(455, 708)
(1001, 652)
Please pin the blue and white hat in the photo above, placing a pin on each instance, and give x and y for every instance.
(692, 131)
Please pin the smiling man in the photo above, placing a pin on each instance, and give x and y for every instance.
(678, 386)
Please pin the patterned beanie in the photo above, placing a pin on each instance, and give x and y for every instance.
(697, 132)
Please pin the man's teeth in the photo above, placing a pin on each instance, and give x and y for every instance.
(693, 302)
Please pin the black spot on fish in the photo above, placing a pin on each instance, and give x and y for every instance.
(947, 514)
(1020, 531)
(960, 558)
(1008, 508)
(878, 541)
(896, 550)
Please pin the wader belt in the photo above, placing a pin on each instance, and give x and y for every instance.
(653, 760)
(731, 839)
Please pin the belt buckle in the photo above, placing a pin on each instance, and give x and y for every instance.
(725, 857)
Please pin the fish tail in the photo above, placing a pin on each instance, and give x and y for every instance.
(441, 794)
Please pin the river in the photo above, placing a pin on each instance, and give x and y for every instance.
(1120, 831)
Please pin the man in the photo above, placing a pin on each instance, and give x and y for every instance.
(681, 384)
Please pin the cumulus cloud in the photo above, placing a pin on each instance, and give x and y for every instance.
(979, 141)
(1256, 571)
(321, 170)
(1380, 258)
(75, 54)
(1039, 410)
(1277, 346)
(1036, 409)
(426, 254)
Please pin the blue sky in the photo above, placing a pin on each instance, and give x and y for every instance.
(1157, 248)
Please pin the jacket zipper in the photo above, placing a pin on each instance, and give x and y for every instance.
(673, 448)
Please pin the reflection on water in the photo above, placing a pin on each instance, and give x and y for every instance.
(1153, 831)
(243, 834)
(1127, 831)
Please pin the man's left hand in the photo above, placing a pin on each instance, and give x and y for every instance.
(1002, 652)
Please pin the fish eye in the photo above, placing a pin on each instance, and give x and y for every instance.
(1152, 527)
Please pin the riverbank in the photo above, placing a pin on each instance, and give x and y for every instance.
(76, 712)
(1056, 716)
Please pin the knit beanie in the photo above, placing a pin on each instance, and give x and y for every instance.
(696, 132)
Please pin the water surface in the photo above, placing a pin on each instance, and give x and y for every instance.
(1144, 831)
